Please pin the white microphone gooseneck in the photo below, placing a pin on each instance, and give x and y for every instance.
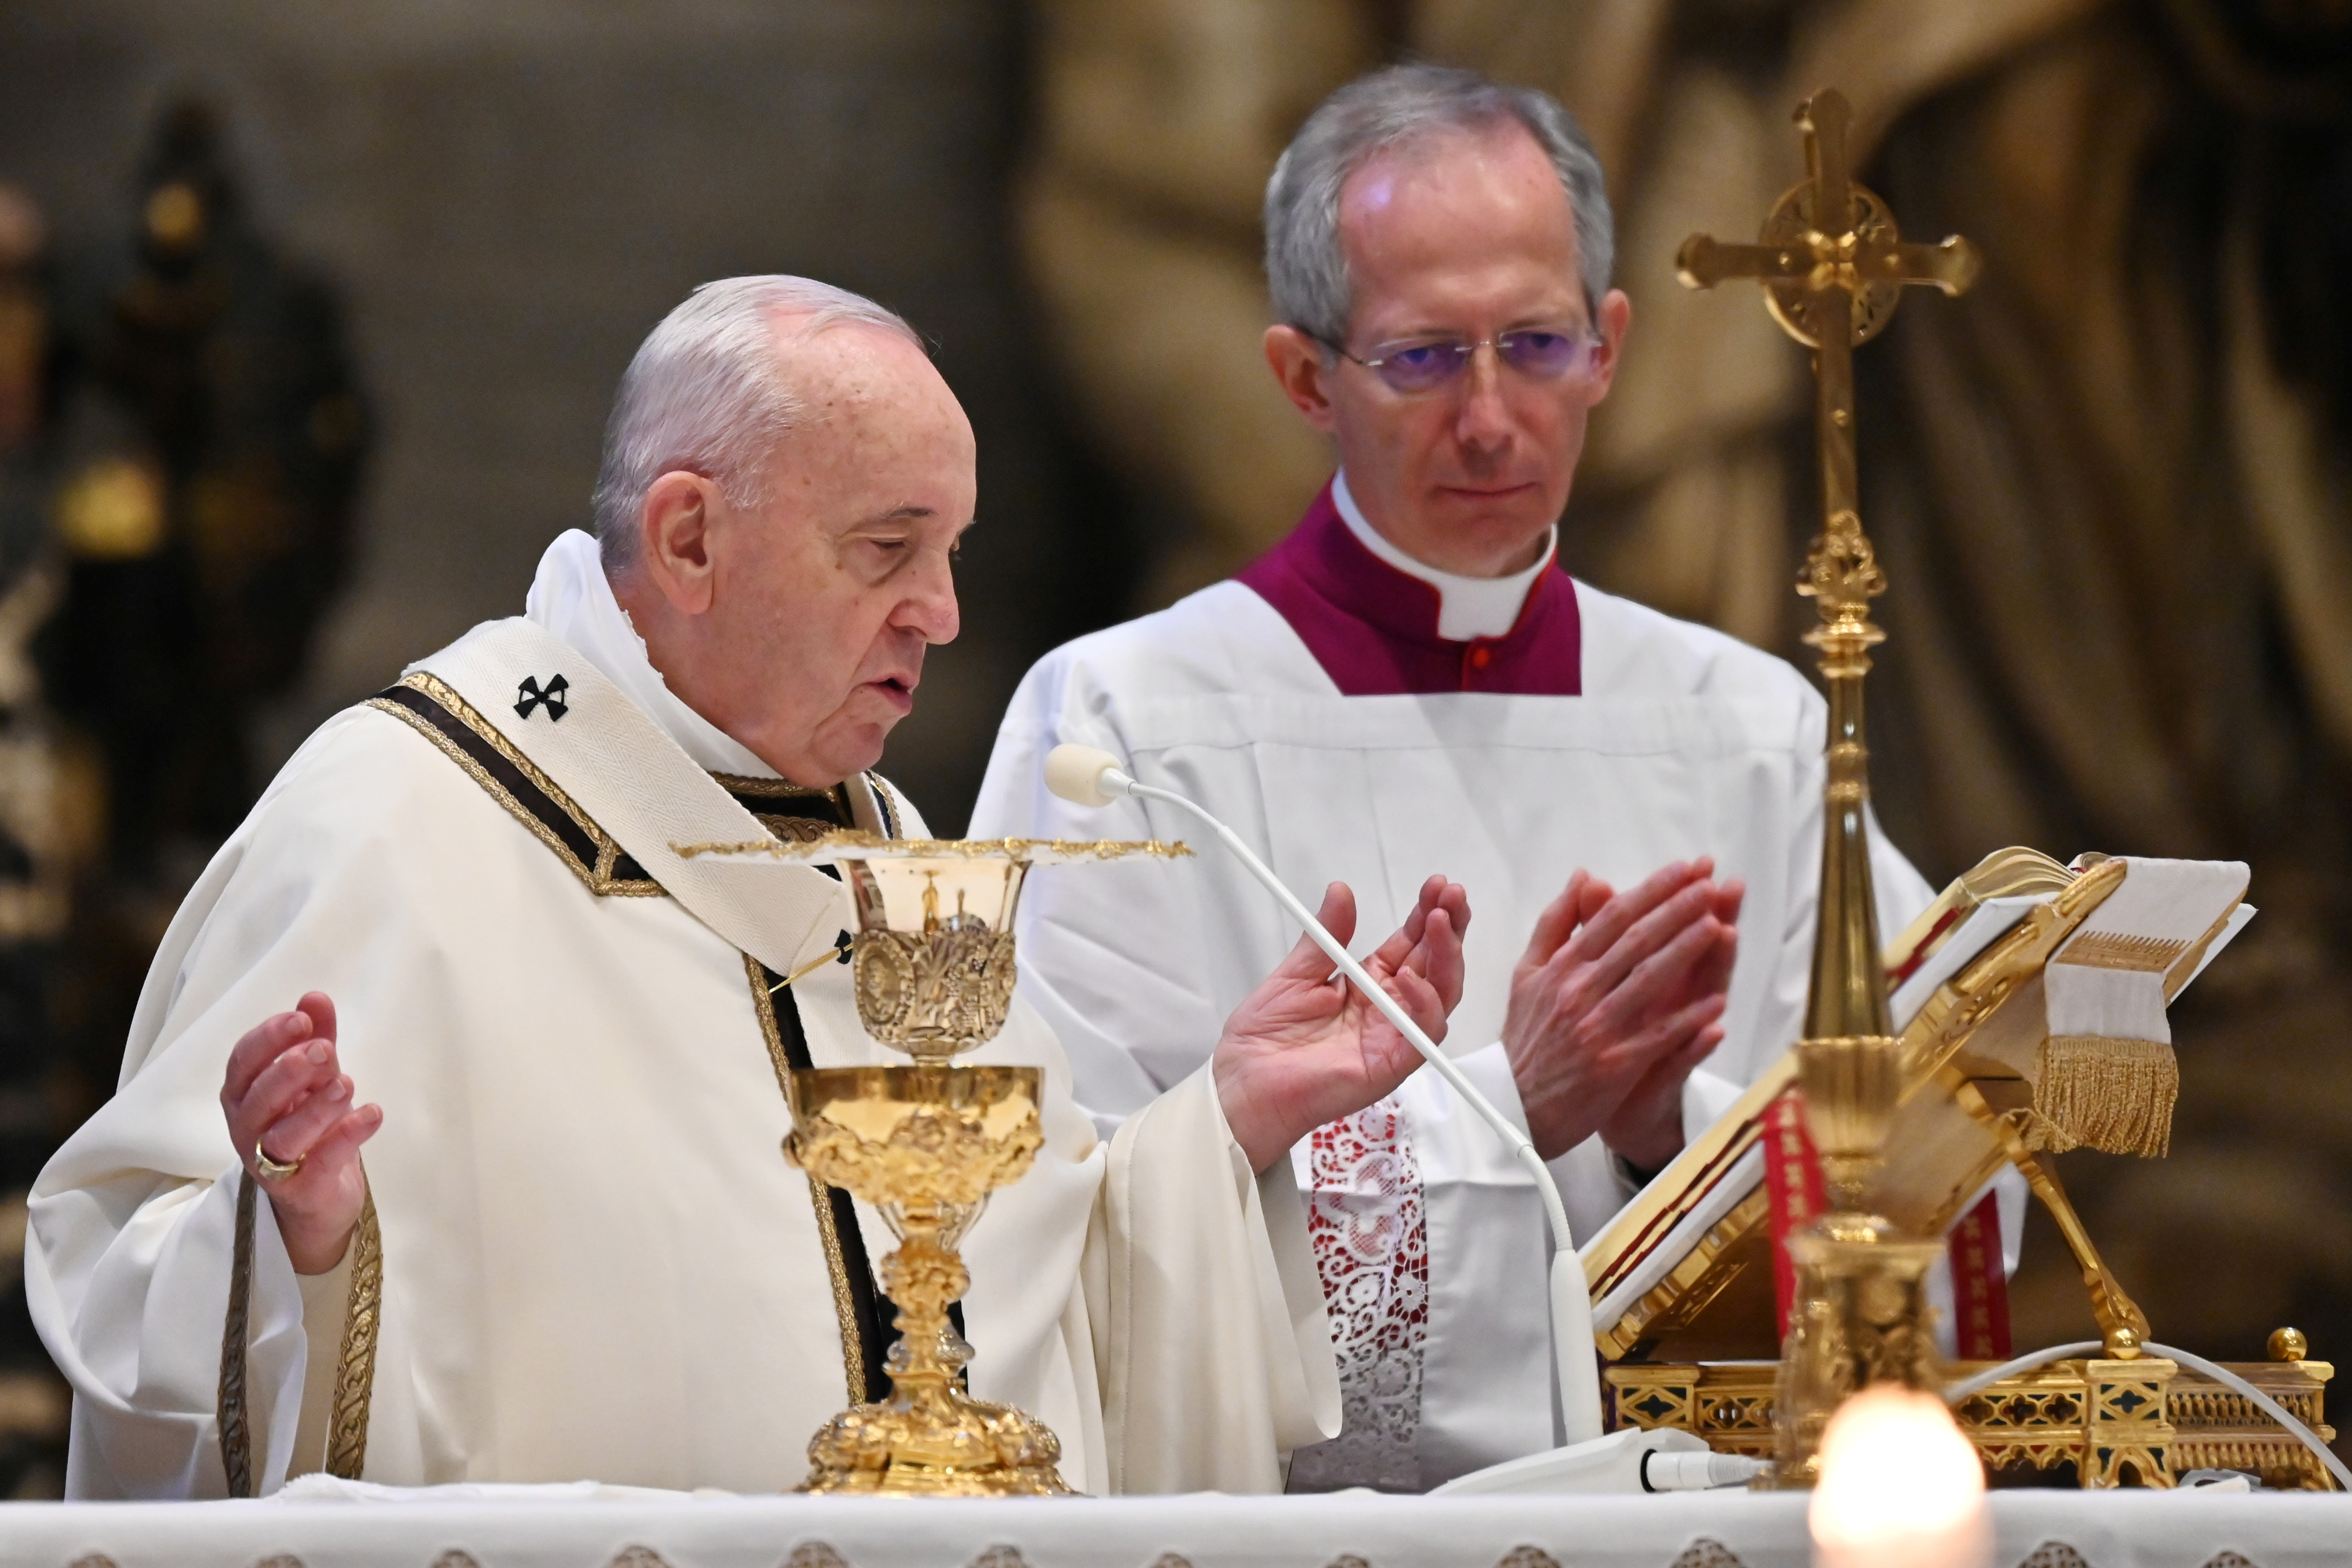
(1088, 777)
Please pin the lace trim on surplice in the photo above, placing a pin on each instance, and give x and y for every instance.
(1365, 1222)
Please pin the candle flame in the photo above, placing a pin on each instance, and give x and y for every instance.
(1899, 1484)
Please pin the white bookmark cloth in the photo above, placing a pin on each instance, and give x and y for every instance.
(2108, 978)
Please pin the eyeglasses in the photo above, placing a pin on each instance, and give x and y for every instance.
(1425, 364)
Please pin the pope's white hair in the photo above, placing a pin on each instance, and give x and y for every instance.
(1304, 266)
(711, 391)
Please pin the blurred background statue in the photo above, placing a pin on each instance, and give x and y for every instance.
(2109, 486)
(216, 441)
(42, 835)
(181, 443)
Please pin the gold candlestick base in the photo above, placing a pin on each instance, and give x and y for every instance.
(926, 1146)
(1860, 1316)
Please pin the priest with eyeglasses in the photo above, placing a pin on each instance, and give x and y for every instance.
(446, 1146)
(1410, 681)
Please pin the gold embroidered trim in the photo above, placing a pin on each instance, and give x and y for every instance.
(836, 1267)
(888, 808)
(777, 788)
(793, 830)
(2113, 950)
(598, 877)
(347, 1426)
(2177, 978)
(236, 1429)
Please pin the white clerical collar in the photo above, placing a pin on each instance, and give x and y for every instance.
(571, 599)
(1468, 607)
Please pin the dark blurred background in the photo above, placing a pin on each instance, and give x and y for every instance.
(309, 319)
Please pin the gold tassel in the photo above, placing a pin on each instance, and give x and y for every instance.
(2113, 1093)
(2040, 1133)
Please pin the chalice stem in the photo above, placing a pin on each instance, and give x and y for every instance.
(922, 1277)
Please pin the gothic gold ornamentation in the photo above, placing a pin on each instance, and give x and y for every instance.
(2172, 1419)
(925, 1145)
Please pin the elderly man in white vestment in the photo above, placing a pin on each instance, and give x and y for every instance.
(559, 1241)
(1409, 682)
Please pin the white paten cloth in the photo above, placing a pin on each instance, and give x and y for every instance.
(595, 1262)
(1685, 743)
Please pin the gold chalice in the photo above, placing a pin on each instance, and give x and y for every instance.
(932, 967)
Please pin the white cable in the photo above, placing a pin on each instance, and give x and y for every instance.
(1091, 778)
(2276, 1411)
(1968, 1386)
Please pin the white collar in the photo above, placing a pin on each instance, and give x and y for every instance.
(571, 599)
(1468, 607)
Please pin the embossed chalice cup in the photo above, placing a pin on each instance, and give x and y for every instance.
(932, 967)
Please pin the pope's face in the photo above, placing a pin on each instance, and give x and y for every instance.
(822, 599)
(1462, 237)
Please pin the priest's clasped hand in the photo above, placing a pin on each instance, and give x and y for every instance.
(291, 1115)
(1303, 1050)
(1617, 998)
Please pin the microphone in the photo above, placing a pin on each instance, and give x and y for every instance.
(1087, 776)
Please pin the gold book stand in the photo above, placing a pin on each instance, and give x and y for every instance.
(1681, 1279)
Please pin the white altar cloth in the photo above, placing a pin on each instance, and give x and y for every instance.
(2106, 1529)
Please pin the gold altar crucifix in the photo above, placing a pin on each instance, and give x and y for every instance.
(1834, 267)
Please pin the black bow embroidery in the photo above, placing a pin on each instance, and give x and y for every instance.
(529, 696)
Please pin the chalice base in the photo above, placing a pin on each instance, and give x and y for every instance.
(926, 1145)
(946, 1443)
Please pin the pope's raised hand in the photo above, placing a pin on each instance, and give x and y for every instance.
(1301, 1050)
(289, 1103)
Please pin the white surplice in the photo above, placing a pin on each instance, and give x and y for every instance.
(596, 1262)
(1685, 743)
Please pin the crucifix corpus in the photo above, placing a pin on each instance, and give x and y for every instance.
(1834, 267)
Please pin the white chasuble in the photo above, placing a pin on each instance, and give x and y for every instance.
(588, 1257)
(1684, 743)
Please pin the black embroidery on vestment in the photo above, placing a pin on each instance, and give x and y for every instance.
(874, 1336)
(528, 696)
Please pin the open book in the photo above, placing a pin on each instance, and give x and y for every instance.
(2029, 999)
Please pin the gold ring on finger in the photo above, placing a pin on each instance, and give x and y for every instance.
(271, 1170)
